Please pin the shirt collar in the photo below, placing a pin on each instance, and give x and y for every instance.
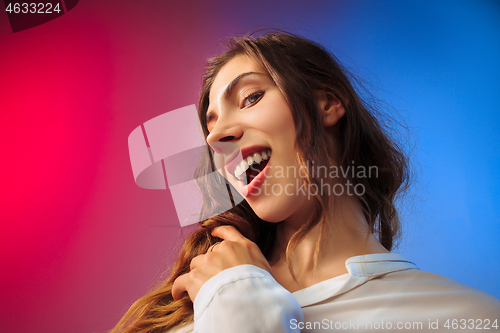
(360, 270)
(377, 264)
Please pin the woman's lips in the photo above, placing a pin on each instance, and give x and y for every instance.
(253, 187)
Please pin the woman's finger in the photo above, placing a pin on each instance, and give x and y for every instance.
(180, 287)
(212, 247)
(196, 261)
(228, 232)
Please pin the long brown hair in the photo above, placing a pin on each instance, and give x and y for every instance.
(299, 67)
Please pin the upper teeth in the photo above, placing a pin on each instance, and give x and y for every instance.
(247, 162)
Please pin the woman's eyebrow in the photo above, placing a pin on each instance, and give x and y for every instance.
(229, 89)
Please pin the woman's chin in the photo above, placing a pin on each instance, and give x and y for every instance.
(270, 213)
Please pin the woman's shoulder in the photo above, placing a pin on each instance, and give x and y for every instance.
(391, 281)
(394, 272)
(430, 282)
(434, 291)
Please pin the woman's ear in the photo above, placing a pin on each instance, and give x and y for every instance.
(331, 107)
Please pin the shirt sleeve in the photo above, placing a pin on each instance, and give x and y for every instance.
(245, 299)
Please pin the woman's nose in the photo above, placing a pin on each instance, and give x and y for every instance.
(225, 130)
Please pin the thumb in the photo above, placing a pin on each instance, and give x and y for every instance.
(179, 287)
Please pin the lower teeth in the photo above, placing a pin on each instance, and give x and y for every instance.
(255, 167)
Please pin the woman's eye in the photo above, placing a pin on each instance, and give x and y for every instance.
(210, 117)
(252, 99)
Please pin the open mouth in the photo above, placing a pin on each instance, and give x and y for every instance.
(251, 166)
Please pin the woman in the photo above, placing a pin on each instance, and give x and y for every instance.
(308, 248)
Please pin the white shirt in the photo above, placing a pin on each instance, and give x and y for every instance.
(380, 292)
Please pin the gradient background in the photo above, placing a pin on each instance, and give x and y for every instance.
(79, 241)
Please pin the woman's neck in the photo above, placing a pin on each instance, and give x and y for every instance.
(345, 234)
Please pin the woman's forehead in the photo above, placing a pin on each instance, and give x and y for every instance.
(238, 65)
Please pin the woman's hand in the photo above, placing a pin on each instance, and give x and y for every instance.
(234, 250)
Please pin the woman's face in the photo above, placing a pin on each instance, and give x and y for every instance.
(248, 111)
